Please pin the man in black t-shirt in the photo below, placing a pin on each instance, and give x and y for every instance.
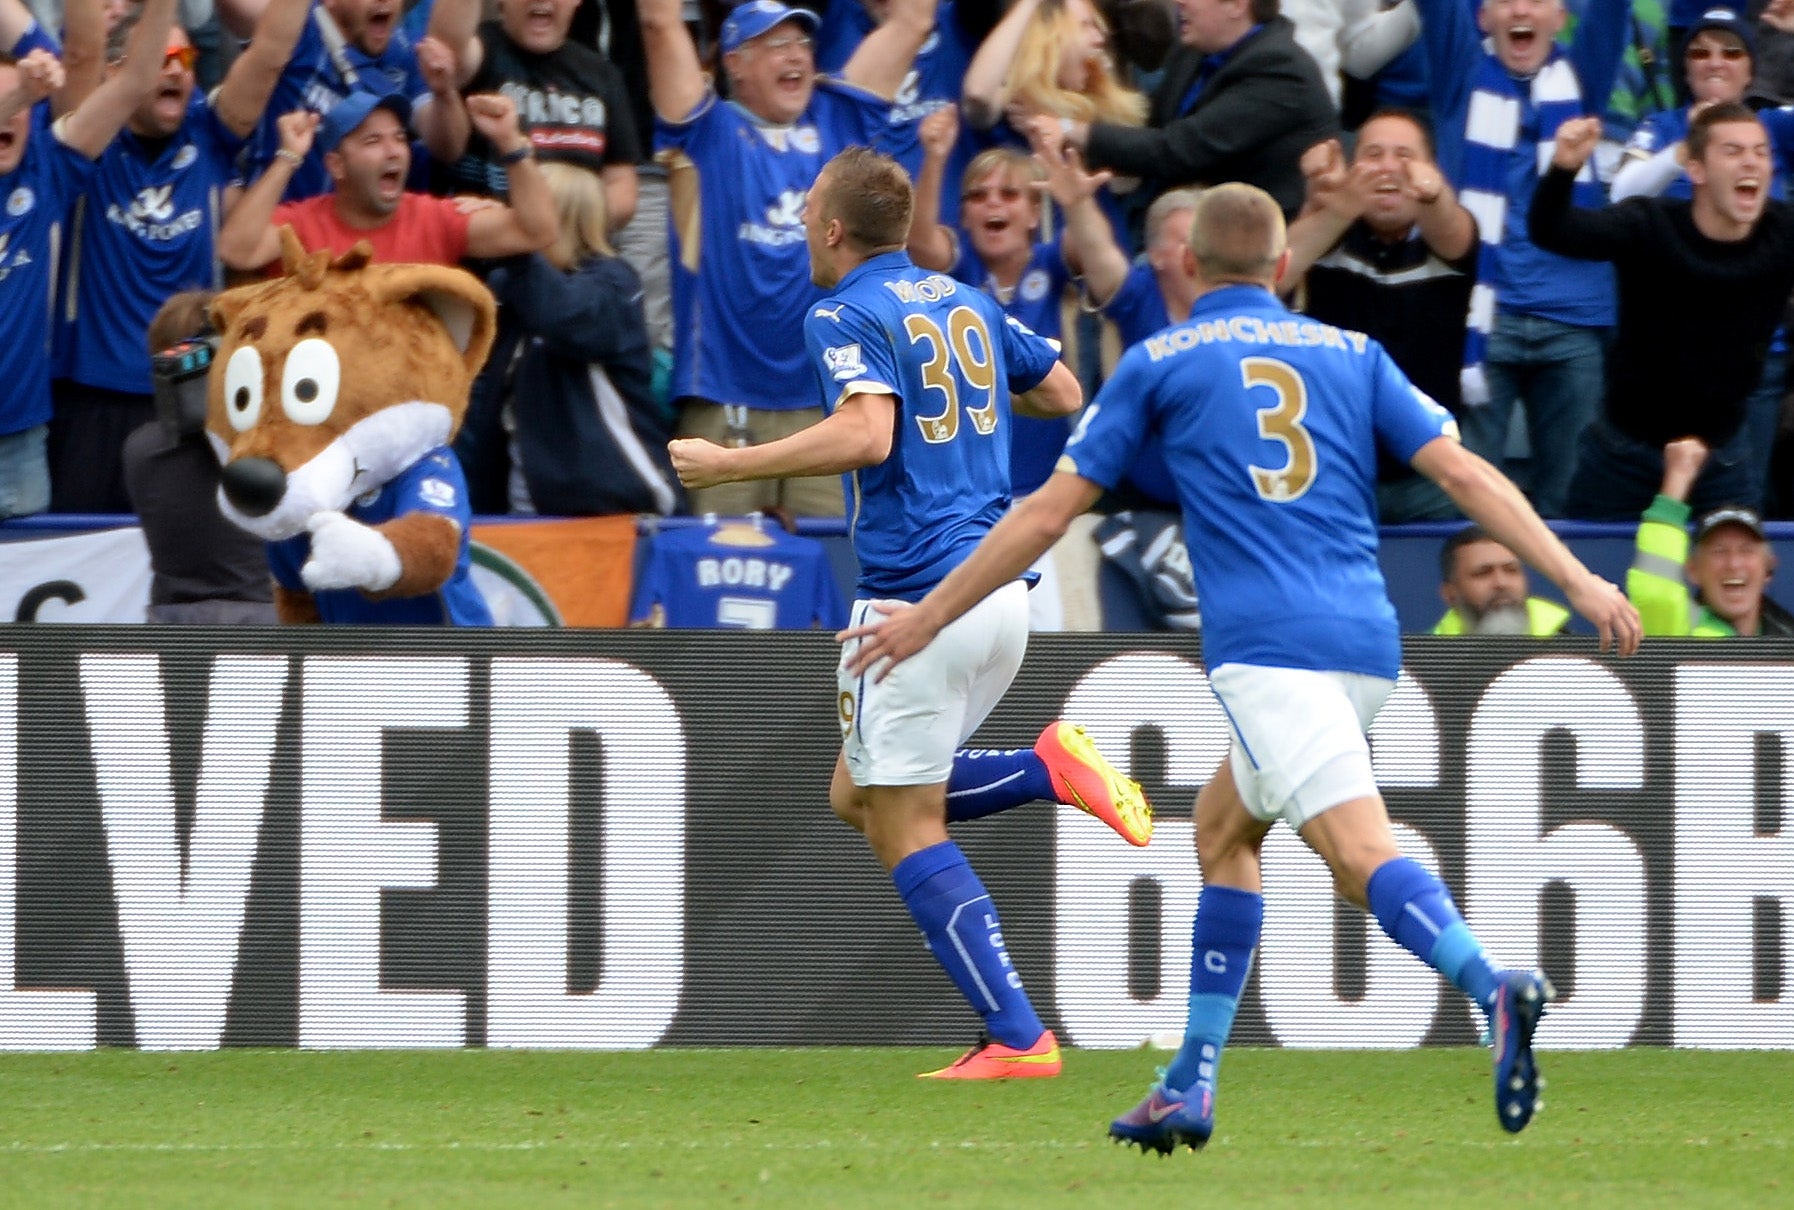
(1389, 252)
(571, 99)
(1701, 284)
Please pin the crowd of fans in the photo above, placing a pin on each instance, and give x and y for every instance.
(629, 176)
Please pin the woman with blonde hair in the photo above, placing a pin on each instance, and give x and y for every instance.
(1052, 57)
(580, 207)
(564, 421)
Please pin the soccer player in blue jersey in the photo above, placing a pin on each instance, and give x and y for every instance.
(1272, 425)
(918, 371)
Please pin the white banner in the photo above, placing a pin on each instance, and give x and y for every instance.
(95, 577)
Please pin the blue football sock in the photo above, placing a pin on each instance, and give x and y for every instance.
(1416, 910)
(988, 780)
(1228, 921)
(959, 921)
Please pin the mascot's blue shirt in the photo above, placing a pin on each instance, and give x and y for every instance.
(434, 484)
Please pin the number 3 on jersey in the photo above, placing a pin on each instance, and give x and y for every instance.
(962, 354)
(1282, 422)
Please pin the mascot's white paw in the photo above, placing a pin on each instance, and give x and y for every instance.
(347, 554)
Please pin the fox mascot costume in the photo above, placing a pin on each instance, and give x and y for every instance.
(334, 395)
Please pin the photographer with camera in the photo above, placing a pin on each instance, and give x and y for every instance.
(204, 570)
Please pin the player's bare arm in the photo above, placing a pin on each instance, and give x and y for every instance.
(1012, 546)
(1058, 394)
(857, 434)
(1487, 497)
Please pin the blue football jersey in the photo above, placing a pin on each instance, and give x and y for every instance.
(34, 37)
(705, 577)
(433, 484)
(1034, 444)
(147, 229)
(933, 81)
(1138, 310)
(316, 78)
(741, 285)
(35, 199)
(952, 359)
(1271, 425)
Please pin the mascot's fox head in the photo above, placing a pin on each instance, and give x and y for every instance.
(331, 380)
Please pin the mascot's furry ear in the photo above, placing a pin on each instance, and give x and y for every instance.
(458, 298)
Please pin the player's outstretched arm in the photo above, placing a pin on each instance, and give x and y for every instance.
(1025, 533)
(856, 434)
(1487, 497)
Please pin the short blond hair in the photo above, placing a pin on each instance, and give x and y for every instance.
(583, 218)
(1237, 234)
(1011, 161)
(871, 195)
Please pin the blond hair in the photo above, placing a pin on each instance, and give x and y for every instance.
(583, 217)
(1011, 161)
(1237, 234)
(1033, 79)
(871, 195)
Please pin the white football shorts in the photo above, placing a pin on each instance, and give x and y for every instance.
(1299, 745)
(903, 730)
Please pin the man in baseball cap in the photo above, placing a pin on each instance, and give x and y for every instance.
(349, 113)
(367, 152)
(748, 21)
(1728, 564)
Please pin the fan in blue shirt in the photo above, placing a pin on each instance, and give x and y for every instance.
(146, 231)
(1271, 425)
(43, 170)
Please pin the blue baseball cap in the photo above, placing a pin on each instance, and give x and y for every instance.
(756, 17)
(1724, 20)
(353, 110)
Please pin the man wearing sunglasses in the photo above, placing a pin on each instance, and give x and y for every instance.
(146, 231)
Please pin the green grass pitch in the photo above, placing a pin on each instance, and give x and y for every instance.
(836, 1127)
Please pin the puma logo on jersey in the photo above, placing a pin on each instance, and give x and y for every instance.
(833, 313)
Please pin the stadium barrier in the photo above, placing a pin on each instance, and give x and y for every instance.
(357, 838)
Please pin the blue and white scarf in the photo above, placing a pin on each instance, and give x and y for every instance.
(1491, 134)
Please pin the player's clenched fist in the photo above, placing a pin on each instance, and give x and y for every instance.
(699, 463)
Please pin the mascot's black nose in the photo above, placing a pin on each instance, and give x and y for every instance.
(254, 485)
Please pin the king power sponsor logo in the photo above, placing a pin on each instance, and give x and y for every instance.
(569, 841)
(784, 221)
(151, 215)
